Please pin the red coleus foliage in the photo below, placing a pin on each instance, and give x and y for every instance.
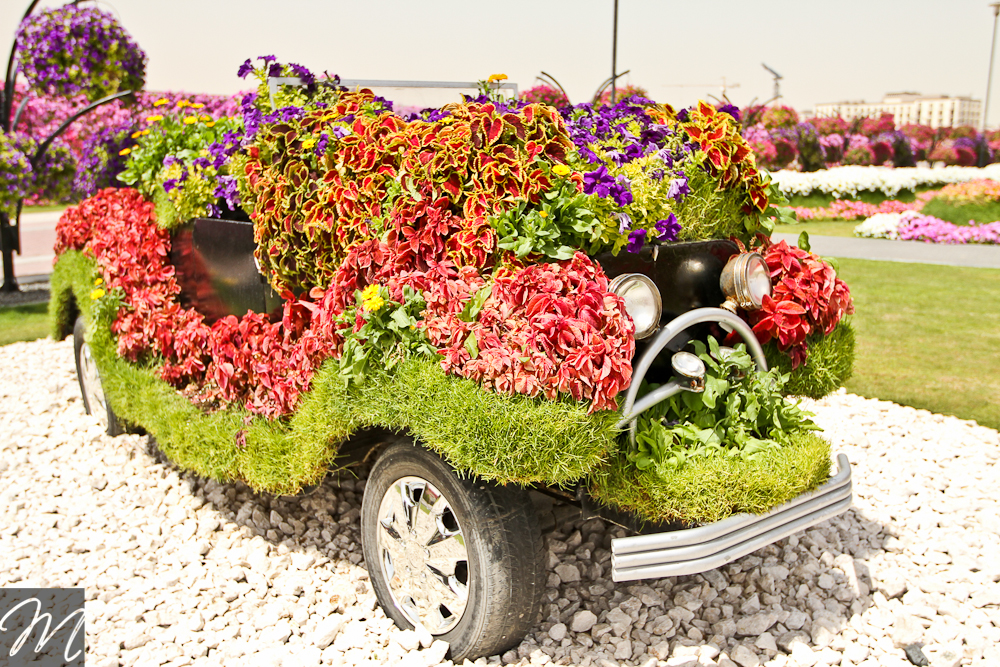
(544, 329)
(807, 298)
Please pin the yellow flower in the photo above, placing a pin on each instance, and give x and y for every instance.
(197, 105)
(494, 78)
(211, 124)
(153, 119)
(125, 151)
(190, 120)
(371, 298)
(183, 103)
(203, 152)
(447, 120)
(97, 294)
(543, 214)
(99, 281)
(144, 132)
(308, 143)
(560, 170)
(160, 102)
(206, 118)
(136, 135)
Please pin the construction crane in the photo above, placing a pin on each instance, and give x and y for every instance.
(777, 79)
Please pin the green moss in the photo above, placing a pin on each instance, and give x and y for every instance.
(962, 214)
(709, 489)
(829, 366)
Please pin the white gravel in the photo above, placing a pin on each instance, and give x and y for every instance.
(182, 571)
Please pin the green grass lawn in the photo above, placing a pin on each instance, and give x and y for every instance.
(19, 323)
(819, 199)
(821, 228)
(45, 209)
(927, 336)
(964, 213)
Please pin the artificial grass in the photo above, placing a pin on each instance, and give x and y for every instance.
(710, 489)
(828, 367)
(927, 336)
(22, 323)
(962, 214)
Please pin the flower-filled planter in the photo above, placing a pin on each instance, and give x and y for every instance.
(76, 49)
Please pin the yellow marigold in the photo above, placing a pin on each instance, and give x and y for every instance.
(543, 214)
(447, 120)
(160, 102)
(210, 124)
(190, 120)
(97, 294)
(561, 170)
(153, 119)
(125, 151)
(197, 105)
(206, 118)
(99, 281)
(144, 132)
(136, 135)
(183, 103)
(497, 77)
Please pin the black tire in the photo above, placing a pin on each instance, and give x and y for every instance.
(504, 572)
(94, 400)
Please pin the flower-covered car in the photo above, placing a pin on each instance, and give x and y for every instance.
(482, 299)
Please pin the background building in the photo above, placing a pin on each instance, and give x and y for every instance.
(935, 111)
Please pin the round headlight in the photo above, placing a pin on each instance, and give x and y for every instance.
(746, 280)
(642, 301)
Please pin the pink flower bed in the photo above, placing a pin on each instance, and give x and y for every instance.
(929, 229)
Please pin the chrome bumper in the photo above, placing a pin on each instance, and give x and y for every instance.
(707, 547)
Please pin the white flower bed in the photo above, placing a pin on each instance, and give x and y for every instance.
(881, 226)
(841, 181)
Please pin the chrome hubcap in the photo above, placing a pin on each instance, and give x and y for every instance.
(423, 556)
(92, 385)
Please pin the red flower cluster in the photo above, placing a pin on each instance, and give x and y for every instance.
(544, 329)
(807, 297)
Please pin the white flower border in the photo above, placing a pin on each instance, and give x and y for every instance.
(841, 181)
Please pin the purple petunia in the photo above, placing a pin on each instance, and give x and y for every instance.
(679, 187)
(667, 230)
(636, 239)
(598, 182)
(245, 69)
(624, 222)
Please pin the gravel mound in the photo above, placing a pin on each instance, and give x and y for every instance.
(183, 571)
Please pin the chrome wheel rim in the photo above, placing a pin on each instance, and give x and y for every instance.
(92, 389)
(423, 555)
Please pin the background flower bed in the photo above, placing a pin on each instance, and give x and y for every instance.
(781, 141)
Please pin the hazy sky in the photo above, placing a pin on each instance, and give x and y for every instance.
(679, 51)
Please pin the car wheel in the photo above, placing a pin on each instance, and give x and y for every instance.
(94, 401)
(459, 556)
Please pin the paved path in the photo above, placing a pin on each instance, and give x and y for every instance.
(38, 235)
(982, 256)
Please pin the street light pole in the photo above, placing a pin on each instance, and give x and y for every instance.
(989, 80)
(614, 56)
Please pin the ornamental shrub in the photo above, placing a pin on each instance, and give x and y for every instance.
(780, 117)
(16, 177)
(54, 175)
(543, 94)
(75, 49)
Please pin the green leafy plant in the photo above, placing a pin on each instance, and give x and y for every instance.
(741, 413)
(562, 222)
(388, 335)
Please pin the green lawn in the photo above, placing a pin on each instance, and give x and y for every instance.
(821, 228)
(819, 199)
(962, 214)
(19, 323)
(927, 336)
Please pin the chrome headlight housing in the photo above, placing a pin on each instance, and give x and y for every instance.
(642, 301)
(745, 281)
